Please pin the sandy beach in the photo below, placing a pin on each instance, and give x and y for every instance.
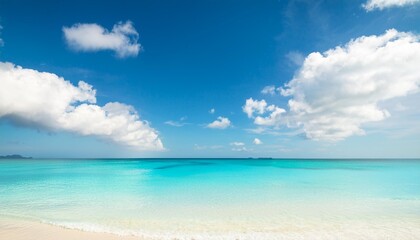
(18, 229)
(22, 229)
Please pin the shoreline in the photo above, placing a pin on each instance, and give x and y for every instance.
(23, 229)
(16, 228)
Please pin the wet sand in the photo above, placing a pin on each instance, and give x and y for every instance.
(17, 229)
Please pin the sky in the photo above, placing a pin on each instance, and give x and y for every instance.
(283, 79)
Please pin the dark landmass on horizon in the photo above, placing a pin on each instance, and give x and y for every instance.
(14, 156)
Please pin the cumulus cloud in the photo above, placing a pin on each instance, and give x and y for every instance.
(273, 119)
(257, 141)
(220, 123)
(45, 100)
(381, 4)
(334, 93)
(260, 107)
(91, 37)
(269, 90)
(254, 106)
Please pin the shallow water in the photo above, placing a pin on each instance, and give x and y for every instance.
(223, 198)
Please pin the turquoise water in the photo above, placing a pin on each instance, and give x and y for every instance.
(220, 199)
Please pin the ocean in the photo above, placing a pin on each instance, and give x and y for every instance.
(218, 198)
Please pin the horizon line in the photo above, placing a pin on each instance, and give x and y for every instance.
(214, 158)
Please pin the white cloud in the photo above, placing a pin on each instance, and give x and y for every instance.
(240, 149)
(295, 57)
(381, 4)
(212, 111)
(273, 119)
(334, 93)
(220, 123)
(252, 106)
(174, 123)
(257, 141)
(257, 130)
(91, 37)
(274, 131)
(237, 144)
(204, 147)
(260, 107)
(179, 123)
(45, 100)
(1, 40)
(271, 90)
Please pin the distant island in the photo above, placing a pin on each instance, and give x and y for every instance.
(14, 156)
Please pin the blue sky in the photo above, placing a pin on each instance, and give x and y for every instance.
(201, 55)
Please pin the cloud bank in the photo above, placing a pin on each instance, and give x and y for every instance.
(220, 123)
(48, 101)
(334, 93)
(371, 5)
(91, 37)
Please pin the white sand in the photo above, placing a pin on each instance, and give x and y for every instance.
(17, 229)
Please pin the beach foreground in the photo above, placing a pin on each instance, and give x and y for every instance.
(18, 229)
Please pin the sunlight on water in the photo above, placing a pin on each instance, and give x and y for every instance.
(210, 198)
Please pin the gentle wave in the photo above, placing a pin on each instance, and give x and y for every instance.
(171, 235)
(355, 232)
